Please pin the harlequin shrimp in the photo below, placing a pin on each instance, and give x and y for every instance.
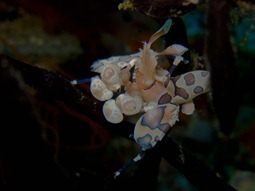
(135, 83)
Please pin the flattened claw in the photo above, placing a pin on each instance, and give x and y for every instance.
(111, 112)
(110, 76)
(99, 89)
(154, 124)
(129, 105)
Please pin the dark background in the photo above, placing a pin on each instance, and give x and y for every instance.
(46, 143)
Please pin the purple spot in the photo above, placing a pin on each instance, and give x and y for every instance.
(181, 92)
(153, 117)
(189, 79)
(176, 78)
(166, 98)
(198, 90)
(145, 141)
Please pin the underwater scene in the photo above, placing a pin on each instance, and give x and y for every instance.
(127, 95)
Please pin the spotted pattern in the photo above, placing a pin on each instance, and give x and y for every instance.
(189, 79)
(153, 118)
(165, 98)
(198, 90)
(145, 141)
(181, 92)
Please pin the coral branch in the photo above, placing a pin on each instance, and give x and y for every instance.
(198, 174)
(224, 76)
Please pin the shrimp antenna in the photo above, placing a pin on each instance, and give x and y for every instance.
(162, 31)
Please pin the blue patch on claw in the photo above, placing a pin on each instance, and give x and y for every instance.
(145, 141)
(153, 117)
